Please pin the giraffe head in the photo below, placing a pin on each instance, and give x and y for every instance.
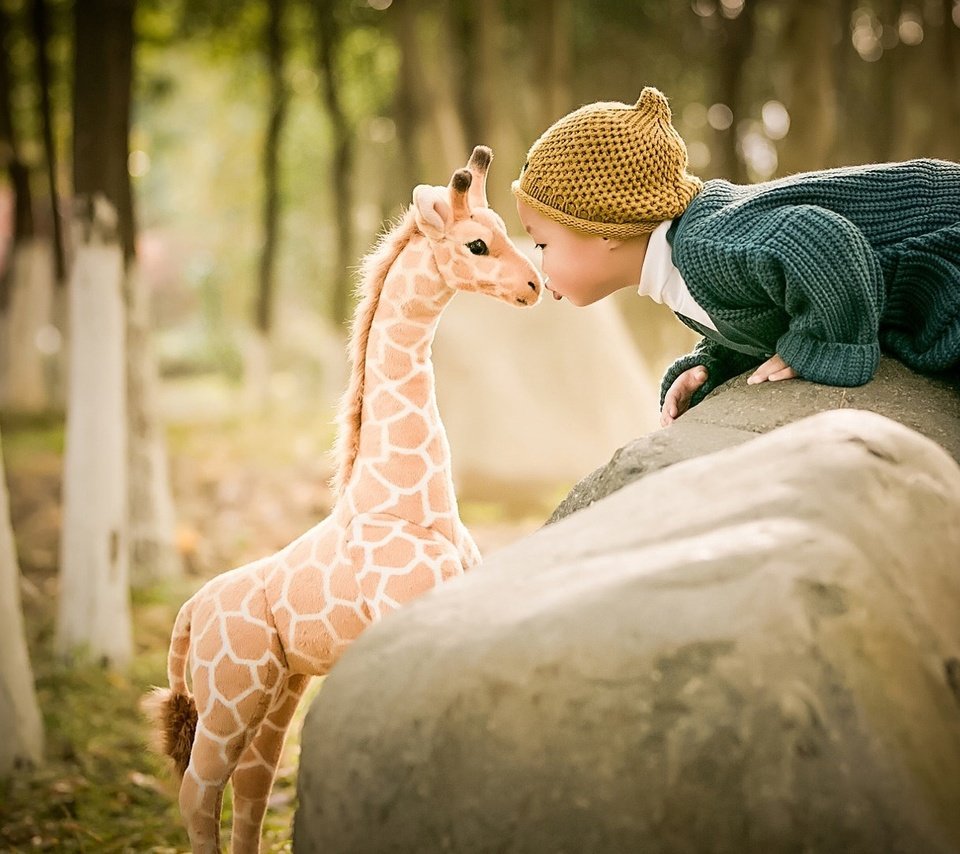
(469, 240)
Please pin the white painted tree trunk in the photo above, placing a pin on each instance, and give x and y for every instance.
(152, 519)
(22, 741)
(94, 608)
(27, 358)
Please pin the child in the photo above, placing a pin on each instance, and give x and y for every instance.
(806, 276)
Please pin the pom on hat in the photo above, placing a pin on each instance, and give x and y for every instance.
(654, 102)
(610, 169)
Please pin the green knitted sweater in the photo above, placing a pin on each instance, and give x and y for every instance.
(825, 269)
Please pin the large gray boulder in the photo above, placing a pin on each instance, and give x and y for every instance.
(735, 413)
(753, 651)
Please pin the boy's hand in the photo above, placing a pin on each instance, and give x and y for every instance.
(677, 399)
(772, 370)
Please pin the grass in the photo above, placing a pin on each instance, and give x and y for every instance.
(99, 789)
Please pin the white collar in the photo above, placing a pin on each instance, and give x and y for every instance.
(661, 280)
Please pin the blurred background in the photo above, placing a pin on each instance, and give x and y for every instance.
(217, 168)
(269, 141)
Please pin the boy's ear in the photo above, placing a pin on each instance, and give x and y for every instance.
(432, 210)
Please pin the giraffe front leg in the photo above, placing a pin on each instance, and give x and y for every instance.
(254, 774)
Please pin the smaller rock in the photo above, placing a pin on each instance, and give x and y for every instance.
(735, 412)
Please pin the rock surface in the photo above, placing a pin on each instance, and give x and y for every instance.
(753, 651)
(736, 412)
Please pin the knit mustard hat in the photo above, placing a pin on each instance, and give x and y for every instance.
(610, 169)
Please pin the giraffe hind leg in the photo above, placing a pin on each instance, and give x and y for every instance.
(201, 797)
(220, 740)
(254, 774)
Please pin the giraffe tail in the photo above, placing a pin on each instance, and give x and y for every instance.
(172, 711)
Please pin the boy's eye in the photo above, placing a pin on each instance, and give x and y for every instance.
(478, 247)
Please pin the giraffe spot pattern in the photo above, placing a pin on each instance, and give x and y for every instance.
(409, 431)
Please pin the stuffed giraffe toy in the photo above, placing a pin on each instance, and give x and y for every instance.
(251, 638)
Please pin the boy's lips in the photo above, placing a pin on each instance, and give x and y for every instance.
(555, 294)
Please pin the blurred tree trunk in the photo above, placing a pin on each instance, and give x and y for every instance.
(55, 333)
(878, 111)
(408, 107)
(429, 123)
(808, 44)
(735, 43)
(26, 289)
(449, 139)
(927, 126)
(951, 47)
(20, 722)
(152, 517)
(843, 58)
(94, 607)
(40, 23)
(16, 168)
(258, 348)
(329, 42)
(490, 91)
(551, 36)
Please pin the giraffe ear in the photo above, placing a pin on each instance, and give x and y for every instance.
(432, 210)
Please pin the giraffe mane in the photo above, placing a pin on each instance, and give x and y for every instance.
(372, 274)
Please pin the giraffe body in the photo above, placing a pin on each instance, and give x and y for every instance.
(251, 638)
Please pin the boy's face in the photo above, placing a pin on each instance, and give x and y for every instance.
(582, 267)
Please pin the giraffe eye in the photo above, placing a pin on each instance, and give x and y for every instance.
(478, 247)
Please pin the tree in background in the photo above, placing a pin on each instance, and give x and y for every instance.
(258, 356)
(329, 38)
(552, 21)
(811, 33)
(733, 36)
(489, 126)
(927, 60)
(26, 292)
(427, 109)
(40, 29)
(94, 608)
(20, 721)
(151, 513)
(409, 104)
(51, 338)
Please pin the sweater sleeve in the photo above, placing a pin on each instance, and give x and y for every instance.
(721, 363)
(830, 284)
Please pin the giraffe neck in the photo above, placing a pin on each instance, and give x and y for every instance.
(403, 461)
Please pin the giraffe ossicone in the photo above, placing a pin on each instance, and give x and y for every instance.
(251, 638)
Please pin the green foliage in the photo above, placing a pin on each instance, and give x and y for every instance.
(370, 62)
(27, 434)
